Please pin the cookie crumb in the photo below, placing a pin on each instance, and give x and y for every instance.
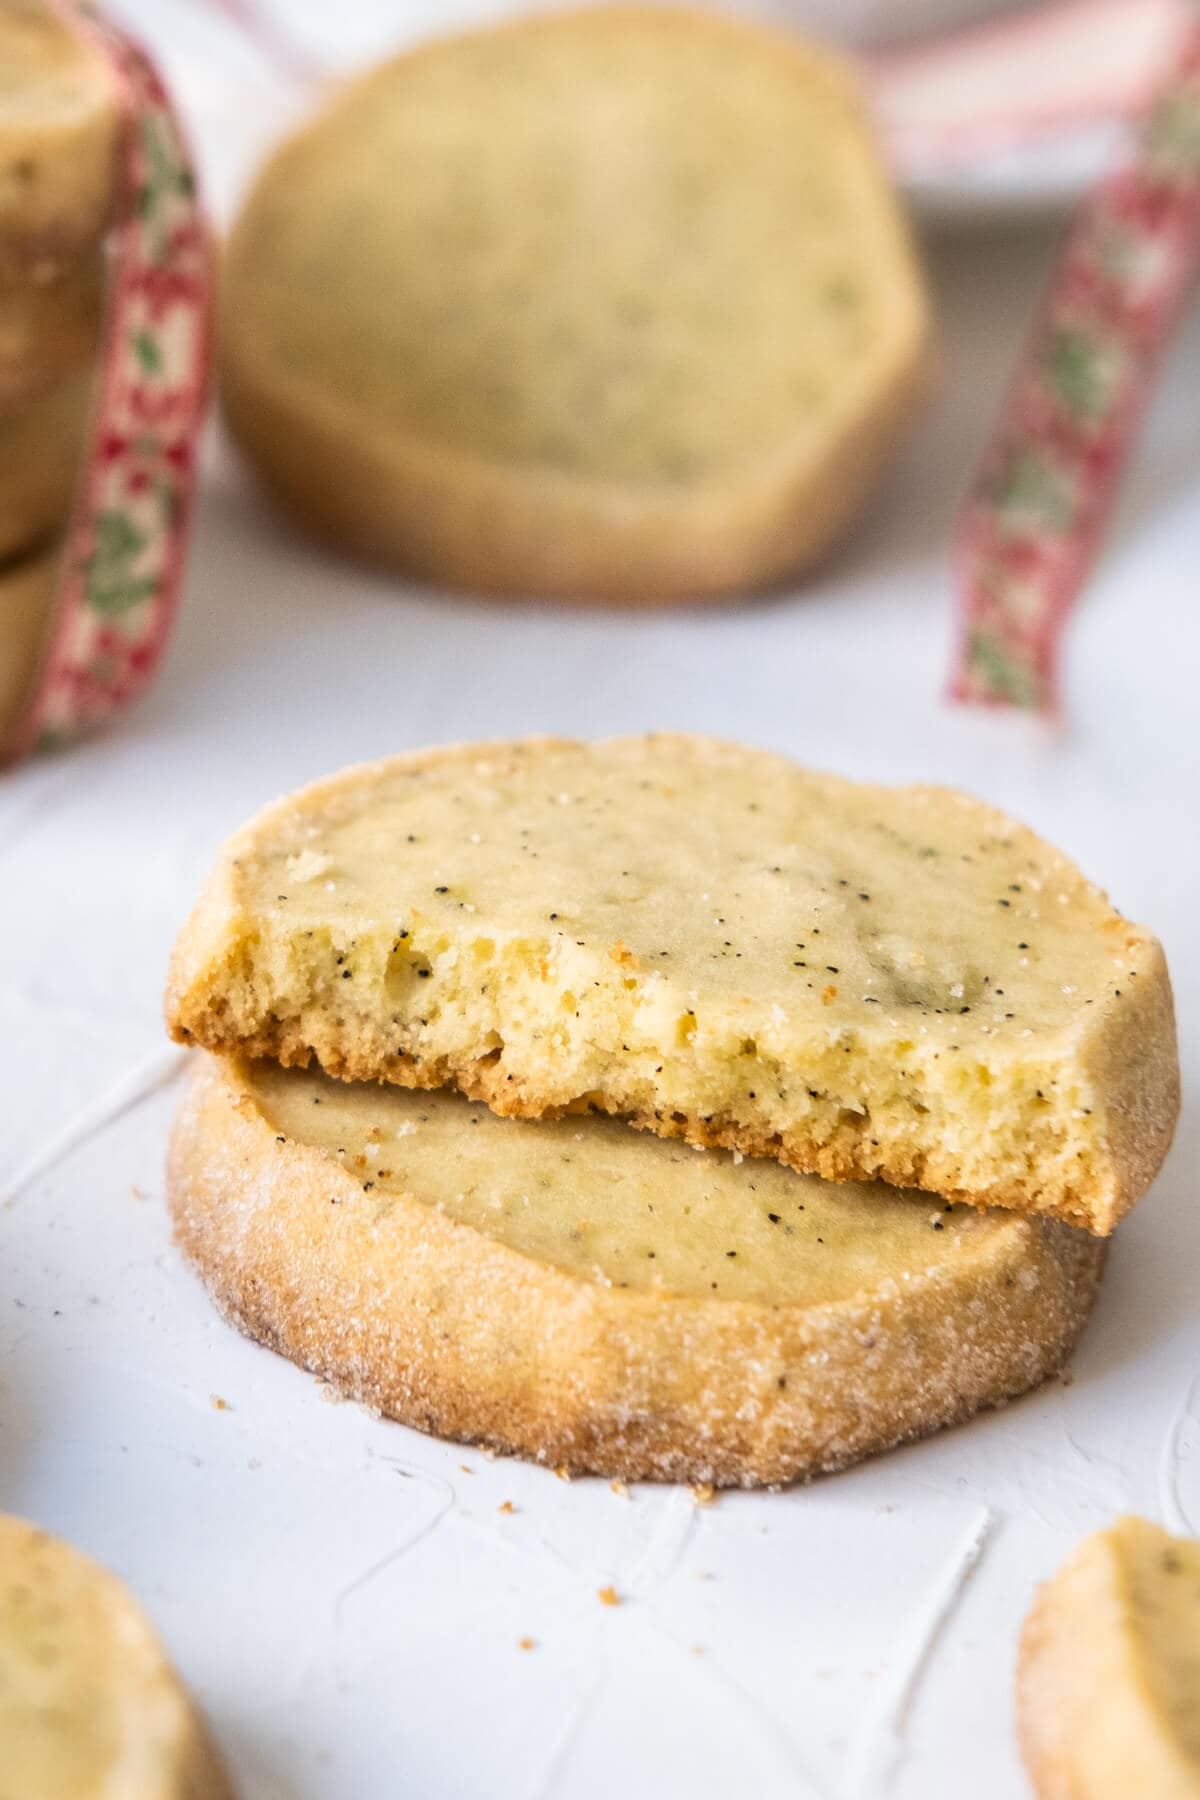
(563, 1473)
(608, 1596)
(506, 1506)
(704, 1494)
(218, 1404)
(621, 1488)
(526, 1643)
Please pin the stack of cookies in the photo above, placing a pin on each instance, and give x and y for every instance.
(896, 1071)
(59, 126)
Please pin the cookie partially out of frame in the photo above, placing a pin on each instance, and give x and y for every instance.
(600, 1300)
(59, 135)
(615, 303)
(26, 599)
(865, 982)
(41, 443)
(90, 1708)
(49, 329)
(1108, 1683)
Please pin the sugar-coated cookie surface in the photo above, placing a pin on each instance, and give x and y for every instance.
(603, 1300)
(1108, 1684)
(862, 981)
(617, 302)
(90, 1709)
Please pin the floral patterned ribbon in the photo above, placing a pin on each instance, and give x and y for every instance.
(123, 554)
(1032, 523)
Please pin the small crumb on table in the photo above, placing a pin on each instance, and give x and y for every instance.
(608, 1596)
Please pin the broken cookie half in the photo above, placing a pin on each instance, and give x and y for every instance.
(712, 943)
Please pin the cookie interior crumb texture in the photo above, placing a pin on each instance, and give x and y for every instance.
(89, 1705)
(1108, 1686)
(602, 1300)
(615, 303)
(861, 981)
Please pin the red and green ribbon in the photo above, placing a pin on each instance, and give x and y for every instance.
(1032, 524)
(123, 555)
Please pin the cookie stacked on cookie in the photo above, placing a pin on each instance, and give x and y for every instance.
(898, 1070)
(59, 127)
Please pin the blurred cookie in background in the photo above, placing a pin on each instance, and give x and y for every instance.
(59, 139)
(1108, 1678)
(59, 134)
(49, 329)
(26, 601)
(40, 444)
(616, 304)
(89, 1704)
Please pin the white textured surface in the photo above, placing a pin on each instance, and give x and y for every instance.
(344, 1595)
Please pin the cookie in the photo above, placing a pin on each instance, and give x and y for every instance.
(49, 329)
(602, 1301)
(89, 1705)
(59, 137)
(41, 441)
(865, 982)
(26, 598)
(614, 304)
(1108, 1682)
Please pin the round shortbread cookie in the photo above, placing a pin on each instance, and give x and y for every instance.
(26, 597)
(49, 329)
(59, 133)
(1108, 1681)
(90, 1708)
(867, 982)
(617, 303)
(40, 445)
(604, 1301)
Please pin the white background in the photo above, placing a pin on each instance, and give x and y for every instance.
(343, 1594)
